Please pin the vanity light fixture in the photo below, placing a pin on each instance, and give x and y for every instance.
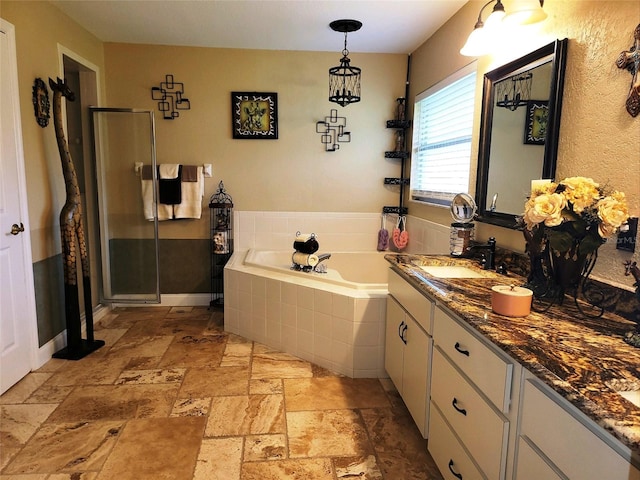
(525, 12)
(481, 38)
(485, 34)
(344, 80)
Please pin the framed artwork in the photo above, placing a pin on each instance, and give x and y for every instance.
(535, 122)
(254, 115)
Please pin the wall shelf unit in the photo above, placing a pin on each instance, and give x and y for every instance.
(400, 126)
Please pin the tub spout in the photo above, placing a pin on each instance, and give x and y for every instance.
(320, 267)
(323, 256)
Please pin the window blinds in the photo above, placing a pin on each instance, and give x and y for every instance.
(442, 127)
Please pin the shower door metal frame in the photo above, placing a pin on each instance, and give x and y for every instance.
(102, 210)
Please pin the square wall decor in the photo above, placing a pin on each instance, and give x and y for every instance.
(254, 115)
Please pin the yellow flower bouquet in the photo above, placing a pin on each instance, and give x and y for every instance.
(564, 224)
(575, 216)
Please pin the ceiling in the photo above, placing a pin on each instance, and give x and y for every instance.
(389, 26)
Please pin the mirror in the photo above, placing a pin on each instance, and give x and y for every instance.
(520, 122)
(463, 208)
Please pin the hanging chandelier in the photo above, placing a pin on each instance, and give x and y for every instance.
(514, 92)
(344, 80)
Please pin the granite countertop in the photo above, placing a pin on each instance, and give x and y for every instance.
(583, 359)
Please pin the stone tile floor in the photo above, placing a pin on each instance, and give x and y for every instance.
(172, 396)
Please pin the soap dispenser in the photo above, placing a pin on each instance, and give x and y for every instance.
(463, 209)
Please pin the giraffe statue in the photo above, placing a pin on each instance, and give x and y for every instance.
(73, 242)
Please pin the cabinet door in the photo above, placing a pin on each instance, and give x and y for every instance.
(415, 379)
(574, 448)
(418, 306)
(393, 344)
(532, 466)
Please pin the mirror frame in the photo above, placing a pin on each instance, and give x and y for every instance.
(558, 51)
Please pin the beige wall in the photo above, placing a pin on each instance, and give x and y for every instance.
(598, 138)
(292, 173)
(41, 30)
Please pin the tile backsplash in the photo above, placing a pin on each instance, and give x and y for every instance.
(336, 232)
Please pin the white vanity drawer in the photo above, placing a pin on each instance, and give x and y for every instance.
(532, 466)
(482, 429)
(418, 306)
(576, 450)
(491, 373)
(445, 449)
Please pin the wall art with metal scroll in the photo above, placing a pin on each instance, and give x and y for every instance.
(170, 98)
(332, 130)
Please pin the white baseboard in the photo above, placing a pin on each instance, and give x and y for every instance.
(175, 300)
(46, 351)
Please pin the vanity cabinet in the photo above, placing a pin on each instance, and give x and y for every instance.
(558, 439)
(485, 415)
(408, 347)
(471, 402)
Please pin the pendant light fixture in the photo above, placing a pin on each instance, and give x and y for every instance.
(515, 91)
(344, 80)
(486, 34)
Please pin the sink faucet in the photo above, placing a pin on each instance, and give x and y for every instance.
(489, 253)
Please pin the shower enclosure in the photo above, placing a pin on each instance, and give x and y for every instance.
(122, 139)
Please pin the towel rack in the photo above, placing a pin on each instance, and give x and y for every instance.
(207, 169)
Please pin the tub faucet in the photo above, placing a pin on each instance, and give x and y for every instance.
(320, 267)
(488, 260)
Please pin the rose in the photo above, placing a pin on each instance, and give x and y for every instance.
(545, 208)
(582, 192)
(612, 211)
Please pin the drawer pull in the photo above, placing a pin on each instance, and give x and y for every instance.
(454, 403)
(463, 352)
(455, 474)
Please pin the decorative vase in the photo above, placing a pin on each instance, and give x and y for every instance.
(554, 274)
(569, 269)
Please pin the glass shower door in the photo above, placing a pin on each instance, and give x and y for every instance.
(125, 161)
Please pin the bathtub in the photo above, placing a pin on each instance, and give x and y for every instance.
(358, 270)
(334, 319)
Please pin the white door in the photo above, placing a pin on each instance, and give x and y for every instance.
(17, 299)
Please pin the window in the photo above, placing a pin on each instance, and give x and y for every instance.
(442, 126)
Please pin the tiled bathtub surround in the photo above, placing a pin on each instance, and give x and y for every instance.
(337, 328)
(337, 232)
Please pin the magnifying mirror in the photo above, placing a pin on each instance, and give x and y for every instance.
(463, 209)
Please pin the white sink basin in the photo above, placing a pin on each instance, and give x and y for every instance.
(451, 271)
(633, 396)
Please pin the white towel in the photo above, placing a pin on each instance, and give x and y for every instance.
(148, 203)
(165, 212)
(191, 203)
(169, 170)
